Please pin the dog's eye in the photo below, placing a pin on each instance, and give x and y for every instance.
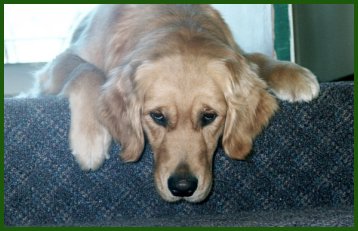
(159, 118)
(207, 118)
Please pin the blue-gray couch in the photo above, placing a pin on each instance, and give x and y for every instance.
(300, 173)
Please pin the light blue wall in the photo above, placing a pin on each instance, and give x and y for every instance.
(251, 25)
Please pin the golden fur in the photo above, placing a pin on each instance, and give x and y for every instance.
(175, 74)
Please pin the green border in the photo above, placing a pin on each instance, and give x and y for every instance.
(355, 124)
(2, 227)
(2, 141)
(180, 1)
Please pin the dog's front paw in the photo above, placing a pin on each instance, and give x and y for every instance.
(294, 83)
(90, 145)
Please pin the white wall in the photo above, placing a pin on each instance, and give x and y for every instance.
(251, 25)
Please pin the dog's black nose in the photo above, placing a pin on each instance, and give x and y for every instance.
(182, 185)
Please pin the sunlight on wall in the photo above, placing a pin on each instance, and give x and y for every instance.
(251, 26)
(37, 33)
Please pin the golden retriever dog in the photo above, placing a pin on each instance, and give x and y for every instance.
(174, 74)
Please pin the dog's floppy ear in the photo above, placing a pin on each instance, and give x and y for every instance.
(250, 107)
(120, 111)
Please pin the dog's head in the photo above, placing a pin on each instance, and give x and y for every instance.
(184, 104)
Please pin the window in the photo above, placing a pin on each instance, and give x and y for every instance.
(37, 33)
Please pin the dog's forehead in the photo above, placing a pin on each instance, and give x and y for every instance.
(186, 87)
(181, 76)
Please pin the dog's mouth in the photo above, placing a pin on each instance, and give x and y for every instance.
(183, 182)
(187, 194)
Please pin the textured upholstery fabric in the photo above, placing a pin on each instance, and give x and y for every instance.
(300, 172)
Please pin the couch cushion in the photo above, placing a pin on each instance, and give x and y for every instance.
(303, 160)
